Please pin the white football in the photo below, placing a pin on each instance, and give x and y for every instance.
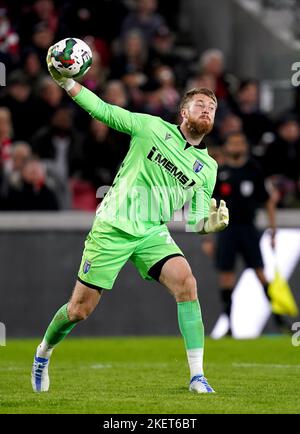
(72, 57)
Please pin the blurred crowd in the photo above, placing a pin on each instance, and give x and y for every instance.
(54, 156)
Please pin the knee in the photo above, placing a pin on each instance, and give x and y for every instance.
(186, 288)
(78, 312)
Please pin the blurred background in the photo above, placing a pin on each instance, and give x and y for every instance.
(54, 156)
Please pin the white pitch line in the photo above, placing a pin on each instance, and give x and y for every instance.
(99, 366)
(263, 365)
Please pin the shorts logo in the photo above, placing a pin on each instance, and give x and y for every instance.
(197, 166)
(86, 267)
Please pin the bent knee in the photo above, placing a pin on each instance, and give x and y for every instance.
(78, 312)
(186, 288)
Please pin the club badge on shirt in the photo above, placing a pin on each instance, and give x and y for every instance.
(197, 166)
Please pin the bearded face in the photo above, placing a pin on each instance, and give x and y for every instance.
(200, 125)
(199, 115)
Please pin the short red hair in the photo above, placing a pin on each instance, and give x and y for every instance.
(197, 91)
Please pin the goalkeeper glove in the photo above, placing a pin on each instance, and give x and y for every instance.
(218, 217)
(64, 82)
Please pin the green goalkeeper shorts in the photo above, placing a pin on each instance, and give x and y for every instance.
(107, 249)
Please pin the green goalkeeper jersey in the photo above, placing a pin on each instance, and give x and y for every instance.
(159, 174)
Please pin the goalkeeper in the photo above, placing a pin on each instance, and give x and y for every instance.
(166, 166)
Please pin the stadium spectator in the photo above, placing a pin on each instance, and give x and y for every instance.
(229, 123)
(162, 48)
(59, 147)
(39, 12)
(9, 40)
(44, 11)
(246, 106)
(163, 52)
(20, 154)
(144, 18)
(133, 56)
(50, 98)
(212, 62)
(42, 39)
(115, 93)
(132, 67)
(282, 160)
(202, 80)
(151, 100)
(162, 100)
(32, 193)
(32, 68)
(135, 84)
(59, 142)
(18, 100)
(6, 136)
(217, 152)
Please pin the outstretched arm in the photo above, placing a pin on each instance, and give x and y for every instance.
(113, 116)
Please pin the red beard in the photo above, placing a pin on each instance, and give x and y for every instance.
(200, 126)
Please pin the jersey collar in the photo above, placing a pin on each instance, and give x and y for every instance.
(187, 144)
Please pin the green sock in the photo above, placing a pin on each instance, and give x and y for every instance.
(59, 327)
(190, 324)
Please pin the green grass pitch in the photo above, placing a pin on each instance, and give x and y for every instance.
(150, 375)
